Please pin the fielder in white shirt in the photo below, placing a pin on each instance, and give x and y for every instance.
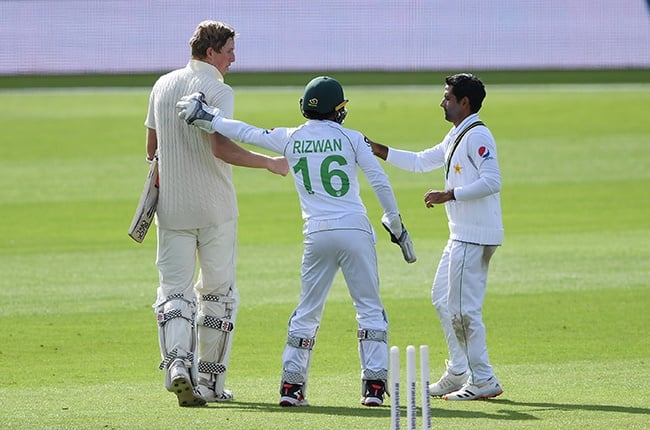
(325, 158)
(468, 155)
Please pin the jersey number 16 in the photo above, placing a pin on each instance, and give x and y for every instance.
(327, 173)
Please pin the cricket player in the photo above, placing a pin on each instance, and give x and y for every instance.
(468, 155)
(324, 158)
(197, 220)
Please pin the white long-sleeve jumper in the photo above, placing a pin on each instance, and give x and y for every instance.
(473, 173)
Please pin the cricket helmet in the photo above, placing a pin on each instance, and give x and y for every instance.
(324, 95)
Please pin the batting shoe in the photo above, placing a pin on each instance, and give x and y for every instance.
(448, 383)
(292, 395)
(211, 396)
(480, 391)
(374, 391)
(181, 385)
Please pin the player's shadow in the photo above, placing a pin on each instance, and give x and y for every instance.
(353, 411)
(504, 410)
(521, 411)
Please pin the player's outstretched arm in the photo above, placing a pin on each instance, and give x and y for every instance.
(391, 220)
(194, 111)
(230, 152)
(378, 149)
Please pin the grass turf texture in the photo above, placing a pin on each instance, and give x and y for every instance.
(566, 308)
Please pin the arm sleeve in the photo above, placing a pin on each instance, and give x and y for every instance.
(378, 181)
(423, 161)
(482, 153)
(274, 140)
(150, 120)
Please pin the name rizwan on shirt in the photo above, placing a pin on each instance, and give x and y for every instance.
(307, 146)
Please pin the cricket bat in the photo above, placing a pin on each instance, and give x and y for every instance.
(146, 209)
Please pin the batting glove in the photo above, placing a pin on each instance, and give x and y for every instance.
(193, 110)
(401, 237)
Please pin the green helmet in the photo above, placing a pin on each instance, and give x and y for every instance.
(323, 95)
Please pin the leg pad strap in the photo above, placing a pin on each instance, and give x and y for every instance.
(293, 377)
(374, 374)
(215, 323)
(301, 342)
(213, 368)
(164, 317)
(376, 335)
(215, 298)
(173, 355)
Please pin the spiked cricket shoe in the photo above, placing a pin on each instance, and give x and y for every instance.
(374, 391)
(292, 395)
(211, 396)
(448, 383)
(480, 391)
(181, 385)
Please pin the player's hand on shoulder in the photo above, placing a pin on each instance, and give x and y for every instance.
(378, 149)
(279, 166)
(193, 110)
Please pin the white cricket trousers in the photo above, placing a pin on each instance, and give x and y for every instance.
(457, 295)
(216, 250)
(353, 251)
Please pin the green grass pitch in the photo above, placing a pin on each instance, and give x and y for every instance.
(567, 303)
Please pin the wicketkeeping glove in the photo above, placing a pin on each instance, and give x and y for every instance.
(403, 240)
(194, 111)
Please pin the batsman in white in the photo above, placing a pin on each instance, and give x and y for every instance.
(324, 157)
(197, 217)
(468, 155)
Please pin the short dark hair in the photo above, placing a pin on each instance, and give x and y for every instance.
(467, 85)
(312, 114)
(210, 34)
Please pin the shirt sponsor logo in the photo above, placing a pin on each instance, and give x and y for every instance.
(483, 152)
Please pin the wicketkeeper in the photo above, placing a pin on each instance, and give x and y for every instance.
(324, 157)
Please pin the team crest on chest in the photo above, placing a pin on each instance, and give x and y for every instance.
(458, 168)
